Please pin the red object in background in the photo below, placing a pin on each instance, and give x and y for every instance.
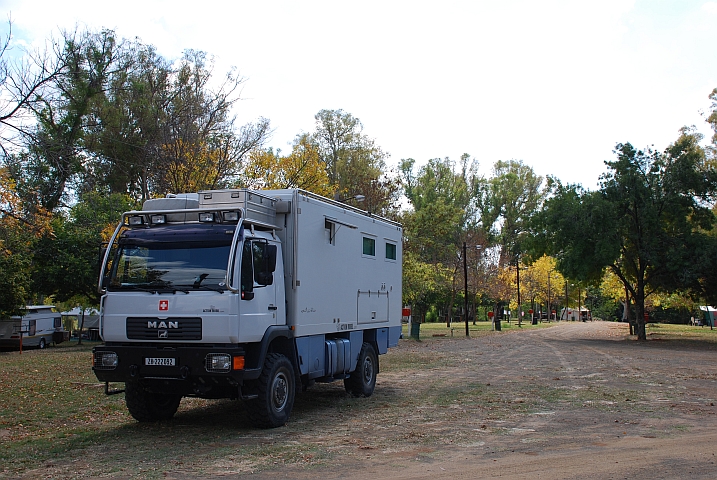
(490, 314)
(406, 312)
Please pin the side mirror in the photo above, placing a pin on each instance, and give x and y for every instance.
(270, 255)
(264, 273)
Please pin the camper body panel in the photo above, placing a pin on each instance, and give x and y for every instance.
(333, 284)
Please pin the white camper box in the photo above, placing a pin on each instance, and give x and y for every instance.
(342, 267)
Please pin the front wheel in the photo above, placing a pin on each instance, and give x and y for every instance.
(362, 381)
(277, 389)
(42, 343)
(147, 406)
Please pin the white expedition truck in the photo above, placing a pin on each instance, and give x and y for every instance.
(246, 294)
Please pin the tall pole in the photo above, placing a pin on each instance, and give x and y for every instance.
(549, 296)
(517, 275)
(465, 284)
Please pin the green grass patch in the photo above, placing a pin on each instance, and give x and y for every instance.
(458, 330)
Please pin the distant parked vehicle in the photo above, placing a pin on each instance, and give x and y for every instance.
(39, 327)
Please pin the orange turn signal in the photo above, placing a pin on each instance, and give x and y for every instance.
(238, 363)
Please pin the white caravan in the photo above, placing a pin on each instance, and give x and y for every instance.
(39, 327)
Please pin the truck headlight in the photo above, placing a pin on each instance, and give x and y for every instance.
(105, 360)
(231, 216)
(218, 363)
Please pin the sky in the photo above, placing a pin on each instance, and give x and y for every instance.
(553, 83)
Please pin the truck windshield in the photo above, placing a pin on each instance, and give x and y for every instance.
(172, 258)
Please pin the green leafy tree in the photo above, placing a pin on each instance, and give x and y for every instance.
(355, 165)
(646, 224)
(66, 264)
(442, 217)
(508, 200)
(19, 229)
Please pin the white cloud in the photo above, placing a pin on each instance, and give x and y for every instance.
(710, 7)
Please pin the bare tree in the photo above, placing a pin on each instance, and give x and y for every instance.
(22, 82)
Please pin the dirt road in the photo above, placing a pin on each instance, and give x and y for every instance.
(578, 400)
(575, 400)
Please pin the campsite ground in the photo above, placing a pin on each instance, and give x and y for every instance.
(573, 400)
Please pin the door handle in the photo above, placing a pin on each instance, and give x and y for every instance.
(272, 307)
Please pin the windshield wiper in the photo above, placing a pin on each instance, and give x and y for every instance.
(148, 288)
(187, 288)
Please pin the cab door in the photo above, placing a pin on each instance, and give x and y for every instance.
(258, 308)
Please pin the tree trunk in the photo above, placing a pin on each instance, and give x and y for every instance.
(496, 320)
(640, 313)
(626, 310)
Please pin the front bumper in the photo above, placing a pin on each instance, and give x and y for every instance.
(183, 369)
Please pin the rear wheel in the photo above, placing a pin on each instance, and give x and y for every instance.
(362, 381)
(147, 406)
(42, 343)
(277, 389)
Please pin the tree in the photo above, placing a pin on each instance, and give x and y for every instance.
(21, 84)
(443, 216)
(54, 155)
(355, 165)
(302, 168)
(66, 264)
(646, 224)
(19, 229)
(508, 200)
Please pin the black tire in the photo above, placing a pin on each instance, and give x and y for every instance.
(42, 344)
(362, 381)
(146, 406)
(276, 388)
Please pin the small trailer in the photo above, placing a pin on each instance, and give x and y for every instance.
(39, 327)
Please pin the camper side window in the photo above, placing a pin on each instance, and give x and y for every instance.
(330, 232)
(369, 247)
(390, 251)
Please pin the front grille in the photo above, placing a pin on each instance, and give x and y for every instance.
(171, 329)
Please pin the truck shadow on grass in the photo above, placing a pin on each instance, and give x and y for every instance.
(231, 416)
(211, 432)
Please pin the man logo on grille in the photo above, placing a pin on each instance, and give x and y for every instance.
(163, 333)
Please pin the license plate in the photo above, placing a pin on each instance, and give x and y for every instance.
(162, 362)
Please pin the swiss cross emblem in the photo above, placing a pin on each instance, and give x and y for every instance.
(163, 305)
